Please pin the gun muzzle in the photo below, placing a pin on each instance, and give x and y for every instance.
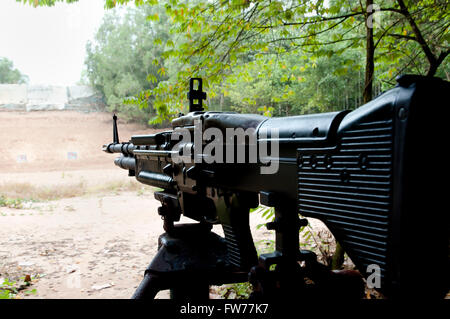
(126, 162)
(124, 148)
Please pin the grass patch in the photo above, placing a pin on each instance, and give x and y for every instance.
(235, 291)
(22, 192)
(117, 186)
(11, 202)
(14, 195)
(9, 289)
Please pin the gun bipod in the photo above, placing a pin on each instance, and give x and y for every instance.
(190, 259)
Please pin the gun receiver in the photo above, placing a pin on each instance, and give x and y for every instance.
(371, 175)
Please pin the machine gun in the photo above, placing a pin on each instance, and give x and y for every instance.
(374, 176)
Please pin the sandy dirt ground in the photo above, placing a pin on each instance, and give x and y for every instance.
(92, 246)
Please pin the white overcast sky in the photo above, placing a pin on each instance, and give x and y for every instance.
(49, 43)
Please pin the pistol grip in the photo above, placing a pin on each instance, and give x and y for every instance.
(234, 217)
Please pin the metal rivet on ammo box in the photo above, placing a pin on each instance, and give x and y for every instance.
(402, 113)
(363, 161)
(327, 161)
(345, 176)
(313, 161)
(315, 131)
(300, 161)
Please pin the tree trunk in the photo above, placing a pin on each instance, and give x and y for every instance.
(370, 52)
(221, 101)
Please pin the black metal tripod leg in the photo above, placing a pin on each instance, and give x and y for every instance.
(148, 288)
(179, 290)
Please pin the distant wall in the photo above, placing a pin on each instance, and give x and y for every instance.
(22, 97)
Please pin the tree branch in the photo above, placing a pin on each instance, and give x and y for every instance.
(442, 56)
(402, 36)
(419, 38)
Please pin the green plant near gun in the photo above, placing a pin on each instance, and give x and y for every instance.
(9, 288)
(320, 242)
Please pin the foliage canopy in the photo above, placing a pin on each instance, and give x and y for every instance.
(287, 57)
(10, 75)
(123, 60)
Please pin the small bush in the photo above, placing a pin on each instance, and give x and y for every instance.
(10, 202)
